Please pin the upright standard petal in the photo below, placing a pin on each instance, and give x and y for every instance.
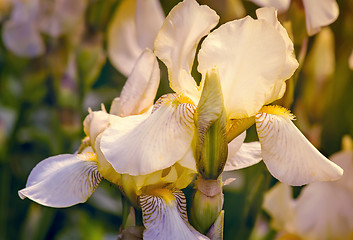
(319, 13)
(165, 217)
(280, 5)
(140, 89)
(250, 55)
(162, 139)
(177, 41)
(291, 64)
(63, 180)
(133, 28)
(288, 155)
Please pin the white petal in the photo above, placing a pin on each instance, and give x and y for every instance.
(344, 159)
(324, 211)
(247, 155)
(288, 155)
(145, 146)
(140, 89)
(149, 20)
(250, 55)
(63, 180)
(167, 218)
(319, 13)
(95, 123)
(280, 5)
(176, 43)
(133, 28)
(291, 64)
(279, 204)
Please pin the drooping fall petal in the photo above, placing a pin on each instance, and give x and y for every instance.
(176, 43)
(165, 217)
(288, 155)
(63, 180)
(137, 145)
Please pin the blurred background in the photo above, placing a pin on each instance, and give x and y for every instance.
(46, 89)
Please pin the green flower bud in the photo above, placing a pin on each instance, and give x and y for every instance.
(207, 204)
(211, 146)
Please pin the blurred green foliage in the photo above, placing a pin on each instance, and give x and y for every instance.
(43, 101)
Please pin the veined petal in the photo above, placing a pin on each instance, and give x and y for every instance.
(280, 5)
(164, 216)
(288, 155)
(132, 29)
(162, 139)
(319, 13)
(324, 211)
(140, 88)
(235, 49)
(245, 156)
(177, 40)
(63, 180)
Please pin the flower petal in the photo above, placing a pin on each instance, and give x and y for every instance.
(291, 64)
(247, 155)
(251, 71)
(345, 160)
(162, 139)
(94, 124)
(149, 20)
(279, 204)
(165, 217)
(140, 89)
(177, 40)
(288, 155)
(319, 13)
(280, 5)
(63, 180)
(133, 28)
(324, 211)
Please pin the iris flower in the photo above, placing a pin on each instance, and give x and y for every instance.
(318, 13)
(253, 58)
(323, 210)
(67, 179)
